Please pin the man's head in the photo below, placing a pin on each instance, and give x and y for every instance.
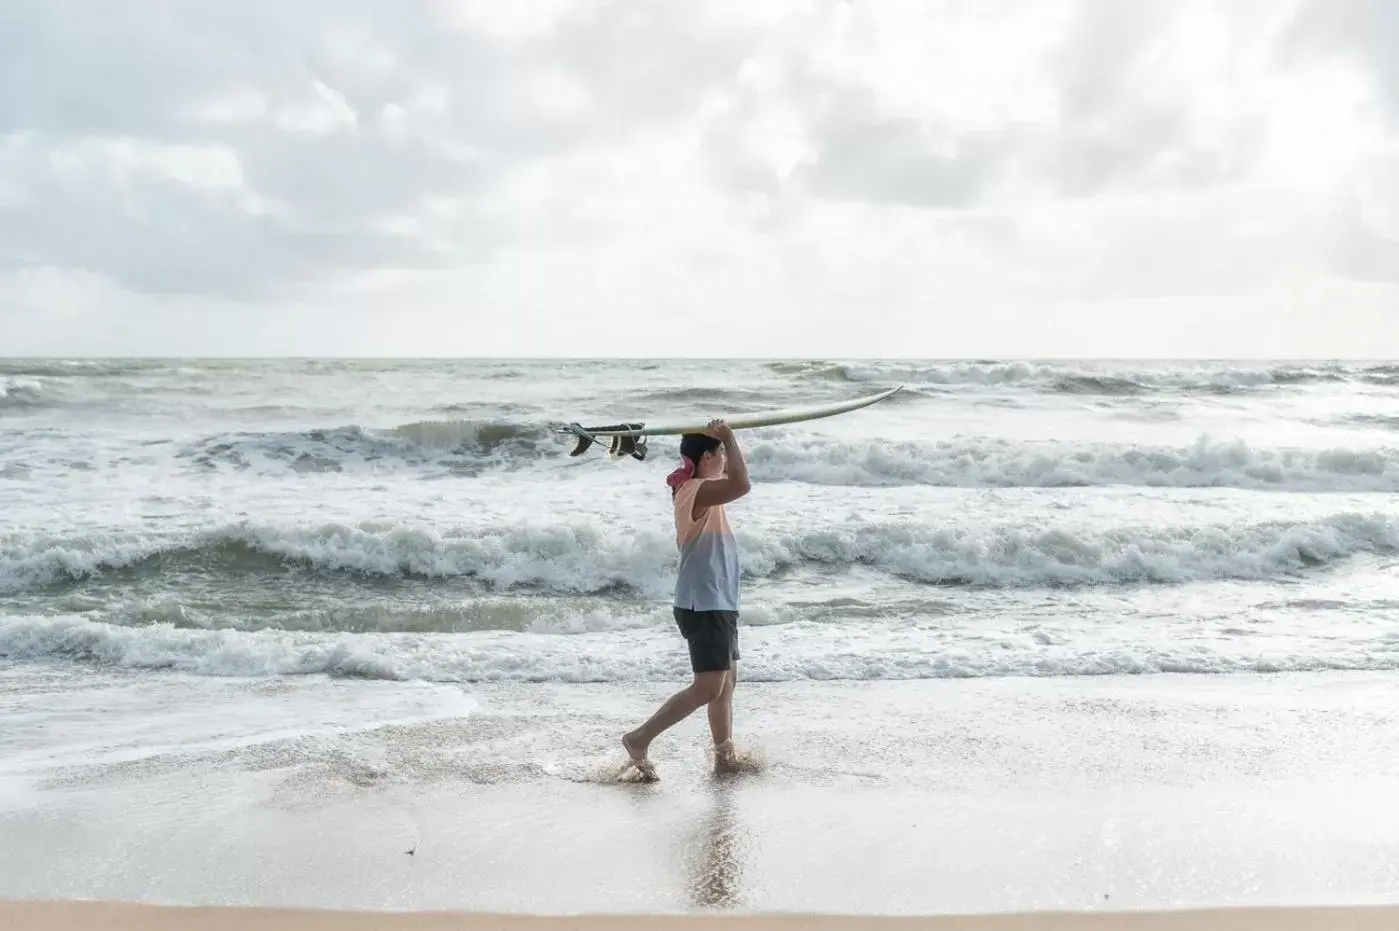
(705, 452)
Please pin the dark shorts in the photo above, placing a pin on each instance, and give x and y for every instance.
(712, 636)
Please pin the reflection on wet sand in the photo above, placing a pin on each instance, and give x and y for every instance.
(718, 863)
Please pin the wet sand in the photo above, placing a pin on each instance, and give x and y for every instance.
(1005, 797)
(75, 916)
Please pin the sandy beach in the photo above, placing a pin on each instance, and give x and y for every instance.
(81, 916)
(998, 797)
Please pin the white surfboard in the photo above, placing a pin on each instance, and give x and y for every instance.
(628, 439)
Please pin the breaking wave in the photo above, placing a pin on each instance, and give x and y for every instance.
(462, 446)
(1080, 379)
(472, 447)
(79, 368)
(651, 655)
(1004, 464)
(579, 559)
(19, 393)
(1384, 421)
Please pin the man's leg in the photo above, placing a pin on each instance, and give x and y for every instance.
(721, 710)
(706, 688)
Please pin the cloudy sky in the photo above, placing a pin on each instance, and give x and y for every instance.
(624, 177)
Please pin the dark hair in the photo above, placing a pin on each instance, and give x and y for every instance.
(695, 445)
(692, 447)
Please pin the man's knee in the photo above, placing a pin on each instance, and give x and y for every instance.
(709, 686)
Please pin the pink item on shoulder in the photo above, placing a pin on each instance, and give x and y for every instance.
(681, 475)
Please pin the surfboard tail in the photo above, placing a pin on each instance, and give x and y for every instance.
(622, 444)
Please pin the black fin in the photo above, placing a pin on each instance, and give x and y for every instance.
(621, 445)
(625, 445)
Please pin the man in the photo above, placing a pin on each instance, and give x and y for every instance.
(712, 474)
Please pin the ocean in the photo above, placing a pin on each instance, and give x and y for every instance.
(343, 566)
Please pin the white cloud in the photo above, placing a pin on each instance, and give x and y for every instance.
(1124, 177)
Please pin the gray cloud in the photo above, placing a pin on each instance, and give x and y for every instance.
(1367, 31)
(1363, 254)
(645, 62)
(1116, 125)
(1366, 247)
(344, 120)
(257, 150)
(156, 234)
(149, 74)
(1121, 120)
(1111, 126)
(863, 155)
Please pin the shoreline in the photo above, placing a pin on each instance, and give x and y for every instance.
(83, 915)
(992, 798)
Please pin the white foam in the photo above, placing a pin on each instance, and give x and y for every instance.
(462, 445)
(801, 650)
(18, 392)
(1004, 464)
(32, 559)
(1068, 376)
(790, 454)
(151, 488)
(580, 558)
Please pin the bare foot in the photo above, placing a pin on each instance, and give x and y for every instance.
(635, 749)
(636, 758)
(726, 759)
